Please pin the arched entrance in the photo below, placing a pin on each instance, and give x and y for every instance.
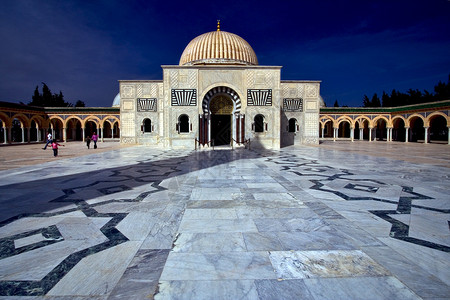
(221, 120)
(221, 108)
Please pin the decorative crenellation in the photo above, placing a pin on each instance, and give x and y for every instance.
(260, 97)
(184, 97)
(293, 104)
(146, 104)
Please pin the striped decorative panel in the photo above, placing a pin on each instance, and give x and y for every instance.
(184, 97)
(221, 90)
(293, 104)
(146, 104)
(259, 97)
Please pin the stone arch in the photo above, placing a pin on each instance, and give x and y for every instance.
(416, 124)
(362, 119)
(377, 118)
(74, 125)
(413, 116)
(344, 125)
(345, 119)
(435, 114)
(25, 121)
(221, 90)
(398, 128)
(438, 124)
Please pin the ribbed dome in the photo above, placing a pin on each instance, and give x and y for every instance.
(218, 47)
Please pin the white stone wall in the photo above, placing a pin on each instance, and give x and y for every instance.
(307, 118)
(204, 78)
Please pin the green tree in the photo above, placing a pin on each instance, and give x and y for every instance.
(47, 99)
(336, 104)
(80, 103)
(366, 101)
(36, 98)
(375, 102)
(442, 90)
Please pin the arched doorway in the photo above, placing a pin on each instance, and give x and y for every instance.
(221, 120)
(438, 129)
(344, 129)
(417, 130)
(399, 131)
(221, 108)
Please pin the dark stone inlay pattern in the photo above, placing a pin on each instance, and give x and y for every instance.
(115, 237)
(50, 233)
(399, 230)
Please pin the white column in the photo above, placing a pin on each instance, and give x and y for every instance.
(101, 129)
(5, 135)
(65, 135)
(334, 134)
(112, 131)
(83, 135)
(361, 134)
(375, 133)
(37, 134)
(388, 132)
(448, 129)
(323, 131)
(352, 133)
(406, 134)
(370, 134)
(23, 135)
(426, 134)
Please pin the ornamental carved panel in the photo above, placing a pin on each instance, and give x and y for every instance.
(293, 104)
(262, 97)
(127, 91)
(146, 104)
(184, 97)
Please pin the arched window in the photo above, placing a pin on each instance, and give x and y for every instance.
(259, 123)
(147, 125)
(293, 127)
(183, 123)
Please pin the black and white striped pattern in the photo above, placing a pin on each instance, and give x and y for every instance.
(146, 104)
(184, 97)
(221, 90)
(259, 97)
(293, 104)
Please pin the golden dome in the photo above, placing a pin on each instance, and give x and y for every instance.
(218, 47)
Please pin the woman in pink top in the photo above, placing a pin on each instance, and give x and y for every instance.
(94, 138)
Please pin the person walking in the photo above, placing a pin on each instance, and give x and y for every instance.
(88, 142)
(49, 140)
(55, 148)
(94, 138)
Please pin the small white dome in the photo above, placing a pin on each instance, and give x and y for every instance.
(116, 101)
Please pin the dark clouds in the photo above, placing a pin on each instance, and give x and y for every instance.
(354, 47)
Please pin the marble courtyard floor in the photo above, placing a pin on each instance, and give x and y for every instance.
(336, 221)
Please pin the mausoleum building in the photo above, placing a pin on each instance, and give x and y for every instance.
(219, 94)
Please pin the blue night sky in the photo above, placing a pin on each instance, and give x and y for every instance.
(354, 47)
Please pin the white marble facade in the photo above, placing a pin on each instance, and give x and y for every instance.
(298, 100)
(219, 93)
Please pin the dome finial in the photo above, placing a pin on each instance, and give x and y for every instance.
(218, 25)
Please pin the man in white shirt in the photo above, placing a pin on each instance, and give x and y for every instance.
(49, 140)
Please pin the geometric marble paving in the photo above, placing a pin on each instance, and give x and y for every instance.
(141, 223)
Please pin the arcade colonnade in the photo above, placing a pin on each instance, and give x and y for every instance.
(25, 124)
(425, 123)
